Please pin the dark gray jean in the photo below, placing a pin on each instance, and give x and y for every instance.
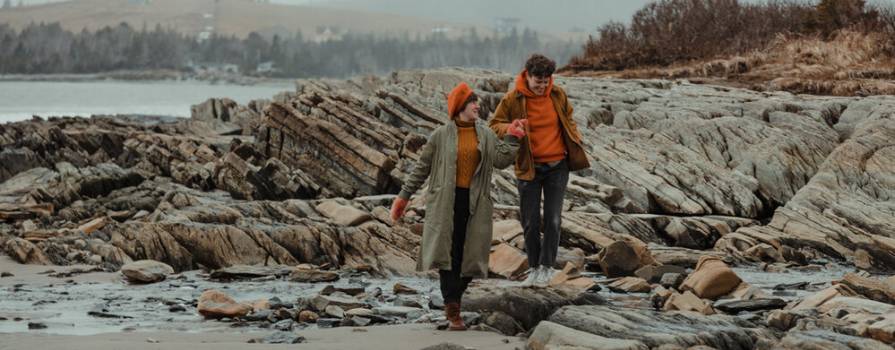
(551, 182)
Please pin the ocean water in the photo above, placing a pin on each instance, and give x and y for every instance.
(20, 100)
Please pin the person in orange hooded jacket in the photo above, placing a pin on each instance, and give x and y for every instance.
(551, 149)
(458, 160)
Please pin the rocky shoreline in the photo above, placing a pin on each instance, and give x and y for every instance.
(687, 181)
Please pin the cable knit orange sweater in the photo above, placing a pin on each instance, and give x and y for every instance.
(467, 152)
(543, 123)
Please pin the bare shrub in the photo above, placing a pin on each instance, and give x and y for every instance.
(665, 32)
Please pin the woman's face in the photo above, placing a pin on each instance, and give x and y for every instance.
(471, 112)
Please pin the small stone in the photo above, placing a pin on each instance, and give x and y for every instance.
(284, 325)
(507, 261)
(93, 225)
(687, 302)
(622, 258)
(177, 308)
(28, 226)
(399, 311)
(275, 303)
(36, 325)
(672, 280)
(284, 314)
(335, 311)
(358, 321)
(352, 290)
(409, 301)
(216, 304)
(360, 312)
(259, 315)
(329, 322)
(630, 285)
(308, 316)
(146, 271)
(711, 279)
(402, 289)
(328, 290)
(280, 338)
(6, 274)
(153, 341)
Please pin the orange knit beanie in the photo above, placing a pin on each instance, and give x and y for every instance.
(455, 99)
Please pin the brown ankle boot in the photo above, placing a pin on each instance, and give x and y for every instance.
(452, 312)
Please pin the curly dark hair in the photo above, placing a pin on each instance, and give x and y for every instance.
(540, 66)
(472, 98)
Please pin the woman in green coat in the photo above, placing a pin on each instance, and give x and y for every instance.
(458, 160)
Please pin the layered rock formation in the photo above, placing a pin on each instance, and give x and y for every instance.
(678, 171)
(674, 164)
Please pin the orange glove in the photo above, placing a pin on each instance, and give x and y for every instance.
(398, 207)
(517, 128)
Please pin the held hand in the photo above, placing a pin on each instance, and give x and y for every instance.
(517, 128)
(398, 207)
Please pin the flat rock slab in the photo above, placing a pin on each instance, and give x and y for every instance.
(549, 335)
(654, 329)
(313, 276)
(343, 215)
(238, 272)
(527, 306)
(737, 306)
(320, 302)
(827, 340)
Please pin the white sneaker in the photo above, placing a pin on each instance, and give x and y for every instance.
(545, 274)
(533, 276)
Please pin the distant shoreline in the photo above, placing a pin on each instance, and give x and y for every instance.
(148, 75)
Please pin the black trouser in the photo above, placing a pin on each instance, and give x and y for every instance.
(452, 284)
(551, 182)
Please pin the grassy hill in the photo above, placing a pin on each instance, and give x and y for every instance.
(237, 17)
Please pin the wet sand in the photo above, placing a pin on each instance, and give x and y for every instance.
(69, 327)
(62, 305)
(398, 337)
(34, 274)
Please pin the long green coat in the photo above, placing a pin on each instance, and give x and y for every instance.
(438, 163)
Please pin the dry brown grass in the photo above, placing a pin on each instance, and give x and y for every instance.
(850, 63)
(839, 47)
